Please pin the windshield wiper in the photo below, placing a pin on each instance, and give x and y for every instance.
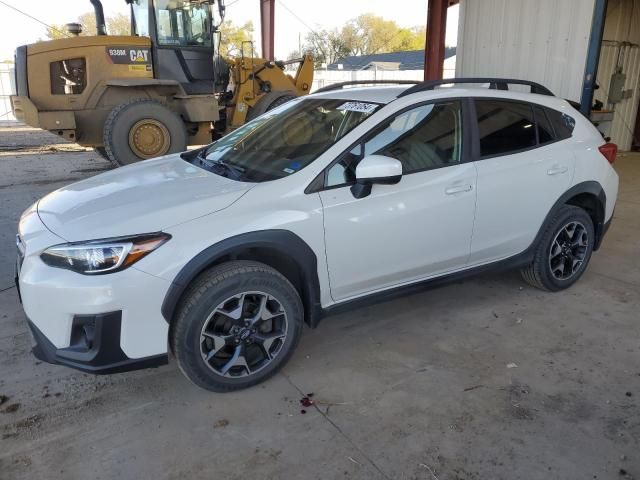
(237, 171)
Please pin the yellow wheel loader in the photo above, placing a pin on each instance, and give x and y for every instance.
(151, 93)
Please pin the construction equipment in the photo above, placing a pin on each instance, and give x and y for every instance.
(151, 93)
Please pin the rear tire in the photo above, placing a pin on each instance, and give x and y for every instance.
(564, 251)
(237, 325)
(141, 129)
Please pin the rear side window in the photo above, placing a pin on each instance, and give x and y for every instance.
(504, 127)
(562, 123)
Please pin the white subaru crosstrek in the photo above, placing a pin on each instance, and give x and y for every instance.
(221, 254)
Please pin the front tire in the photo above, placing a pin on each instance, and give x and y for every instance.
(141, 129)
(237, 325)
(563, 252)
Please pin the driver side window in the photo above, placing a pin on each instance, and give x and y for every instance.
(423, 138)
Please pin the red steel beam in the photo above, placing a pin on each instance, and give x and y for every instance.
(436, 30)
(267, 24)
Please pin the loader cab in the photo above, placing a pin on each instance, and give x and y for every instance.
(182, 39)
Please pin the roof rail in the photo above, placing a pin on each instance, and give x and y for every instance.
(494, 83)
(339, 86)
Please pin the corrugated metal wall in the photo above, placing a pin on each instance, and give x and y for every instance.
(544, 41)
(621, 47)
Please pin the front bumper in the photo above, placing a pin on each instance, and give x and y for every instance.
(96, 348)
(119, 312)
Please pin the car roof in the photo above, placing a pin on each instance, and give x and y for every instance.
(383, 94)
(387, 94)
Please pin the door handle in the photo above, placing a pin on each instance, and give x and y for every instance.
(458, 189)
(557, 169)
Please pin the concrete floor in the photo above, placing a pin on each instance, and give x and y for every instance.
(416, 388)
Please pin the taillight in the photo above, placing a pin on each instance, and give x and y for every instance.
(609, 151)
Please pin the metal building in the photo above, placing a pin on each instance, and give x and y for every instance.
(561, 44)
(620, 52)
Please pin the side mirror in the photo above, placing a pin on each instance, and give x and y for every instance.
(375, 169)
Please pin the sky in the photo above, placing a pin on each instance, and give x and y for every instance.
(294, 18)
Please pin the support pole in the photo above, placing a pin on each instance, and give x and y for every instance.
(267, 24)
(436, 30)
(593, 56)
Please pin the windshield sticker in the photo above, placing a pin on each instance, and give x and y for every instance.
(292, 168)
(358, 107)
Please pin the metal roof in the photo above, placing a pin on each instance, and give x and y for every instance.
(408, 60)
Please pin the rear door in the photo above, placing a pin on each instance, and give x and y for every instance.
(524, 166)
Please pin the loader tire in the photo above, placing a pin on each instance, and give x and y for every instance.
(102, 152)
(269, 102)
(141, 129)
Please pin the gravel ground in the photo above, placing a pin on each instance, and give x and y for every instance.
(482, 379)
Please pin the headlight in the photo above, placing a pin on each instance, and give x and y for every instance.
(103, 256)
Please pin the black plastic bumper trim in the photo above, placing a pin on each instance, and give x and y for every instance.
(104, 357)
(601, 231)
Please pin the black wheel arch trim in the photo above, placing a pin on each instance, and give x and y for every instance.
(590, 187)
(284, 242)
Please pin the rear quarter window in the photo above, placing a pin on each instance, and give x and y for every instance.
(562, 123)
(546, 133)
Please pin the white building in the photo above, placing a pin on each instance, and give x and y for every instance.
(385, 66)
(557, 43)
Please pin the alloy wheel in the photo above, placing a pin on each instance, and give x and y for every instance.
(568, 250)
(243, 334)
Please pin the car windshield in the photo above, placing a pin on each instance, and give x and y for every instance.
(283, 141)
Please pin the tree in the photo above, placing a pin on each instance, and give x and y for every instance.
(366, 34)
(232, 37)
(326, 46)
(410, 39)
(54, 32)
(118, 24)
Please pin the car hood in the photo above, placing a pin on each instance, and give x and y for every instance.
(145, 197)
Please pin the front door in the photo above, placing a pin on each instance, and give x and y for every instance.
(409, 231)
